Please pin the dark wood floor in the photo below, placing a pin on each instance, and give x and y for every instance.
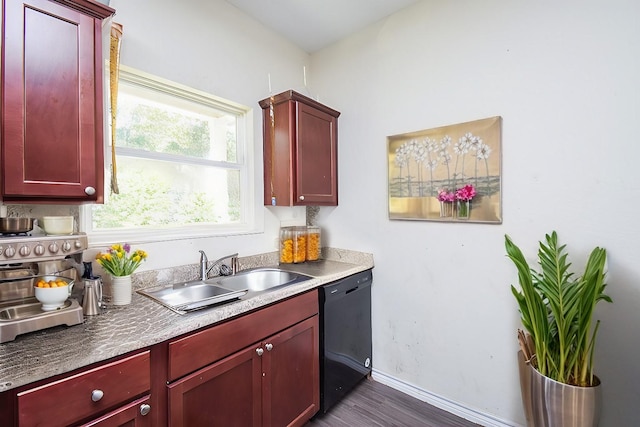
(372, 404)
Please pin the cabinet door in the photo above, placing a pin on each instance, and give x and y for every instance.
(52, 106)
(224, 394)
(316, 157)
(291, 368)
(135, 414)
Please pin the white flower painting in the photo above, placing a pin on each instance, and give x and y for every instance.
(422, 164)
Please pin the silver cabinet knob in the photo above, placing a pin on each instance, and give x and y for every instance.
(269, 346)
(301, 197)
(259, 350)
(96, 395)
(90, 191)
(145, 409)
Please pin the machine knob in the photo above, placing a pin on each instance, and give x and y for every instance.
(269, 346)
(90, 191)
(66, 247)
(145, 409)
(53, 248)
(77, 244)
(38, 250)
(259, 350)
(1, 250)
(301, 197)
(96, 395)
(9, 252)
(24, 250)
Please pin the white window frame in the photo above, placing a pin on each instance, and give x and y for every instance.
(250, 221)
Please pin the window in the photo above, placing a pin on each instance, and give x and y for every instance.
(181, 158)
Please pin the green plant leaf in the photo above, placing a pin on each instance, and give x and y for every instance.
(557, 309)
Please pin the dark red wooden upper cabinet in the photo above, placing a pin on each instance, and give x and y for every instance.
(300, 151)
(52, 93)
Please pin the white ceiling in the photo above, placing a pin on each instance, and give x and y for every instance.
(314, 24)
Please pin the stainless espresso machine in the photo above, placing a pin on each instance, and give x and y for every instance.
(22, 259)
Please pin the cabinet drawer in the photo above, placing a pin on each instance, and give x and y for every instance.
(69, 400)
(195, 351)
(130, 415)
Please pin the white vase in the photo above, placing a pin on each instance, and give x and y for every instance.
(120, 290)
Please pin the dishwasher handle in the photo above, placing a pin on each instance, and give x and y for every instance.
(335, 291)
(348, 285)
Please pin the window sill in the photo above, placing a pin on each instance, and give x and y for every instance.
(103, 238)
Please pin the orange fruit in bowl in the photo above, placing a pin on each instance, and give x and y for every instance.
(57, 283)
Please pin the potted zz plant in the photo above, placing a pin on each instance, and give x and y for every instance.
(557, 381)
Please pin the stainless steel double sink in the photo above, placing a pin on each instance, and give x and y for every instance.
(184, 297)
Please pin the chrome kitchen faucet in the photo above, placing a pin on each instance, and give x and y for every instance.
(204, 271)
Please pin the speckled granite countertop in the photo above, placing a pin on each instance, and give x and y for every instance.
(119, 330)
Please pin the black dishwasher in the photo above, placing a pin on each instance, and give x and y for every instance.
(345, 336)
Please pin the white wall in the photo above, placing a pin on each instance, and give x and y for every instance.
(213, 47)
(564, 77)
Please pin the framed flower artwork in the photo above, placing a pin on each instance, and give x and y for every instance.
(450, 173)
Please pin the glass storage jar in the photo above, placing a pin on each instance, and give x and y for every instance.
(313, 243)
(286, 245)
(299, 244)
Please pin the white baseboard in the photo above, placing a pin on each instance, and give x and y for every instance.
(440, 402)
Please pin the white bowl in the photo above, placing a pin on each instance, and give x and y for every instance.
(56, 225)
(53, 298)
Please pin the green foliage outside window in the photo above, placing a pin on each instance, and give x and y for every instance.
(156, 129)
(161, 192)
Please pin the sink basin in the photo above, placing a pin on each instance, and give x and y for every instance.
(260, 279)
(185, 297)
(189, 296)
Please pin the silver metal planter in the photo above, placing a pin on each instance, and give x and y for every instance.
(548, 403)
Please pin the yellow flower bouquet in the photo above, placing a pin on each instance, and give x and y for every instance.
(119, 260)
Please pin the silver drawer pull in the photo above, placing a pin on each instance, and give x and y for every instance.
(96, 395)
(90, 191)
(259, 350)
(269, 346)
(145, 409)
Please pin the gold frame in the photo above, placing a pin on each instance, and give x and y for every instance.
(424, 163)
